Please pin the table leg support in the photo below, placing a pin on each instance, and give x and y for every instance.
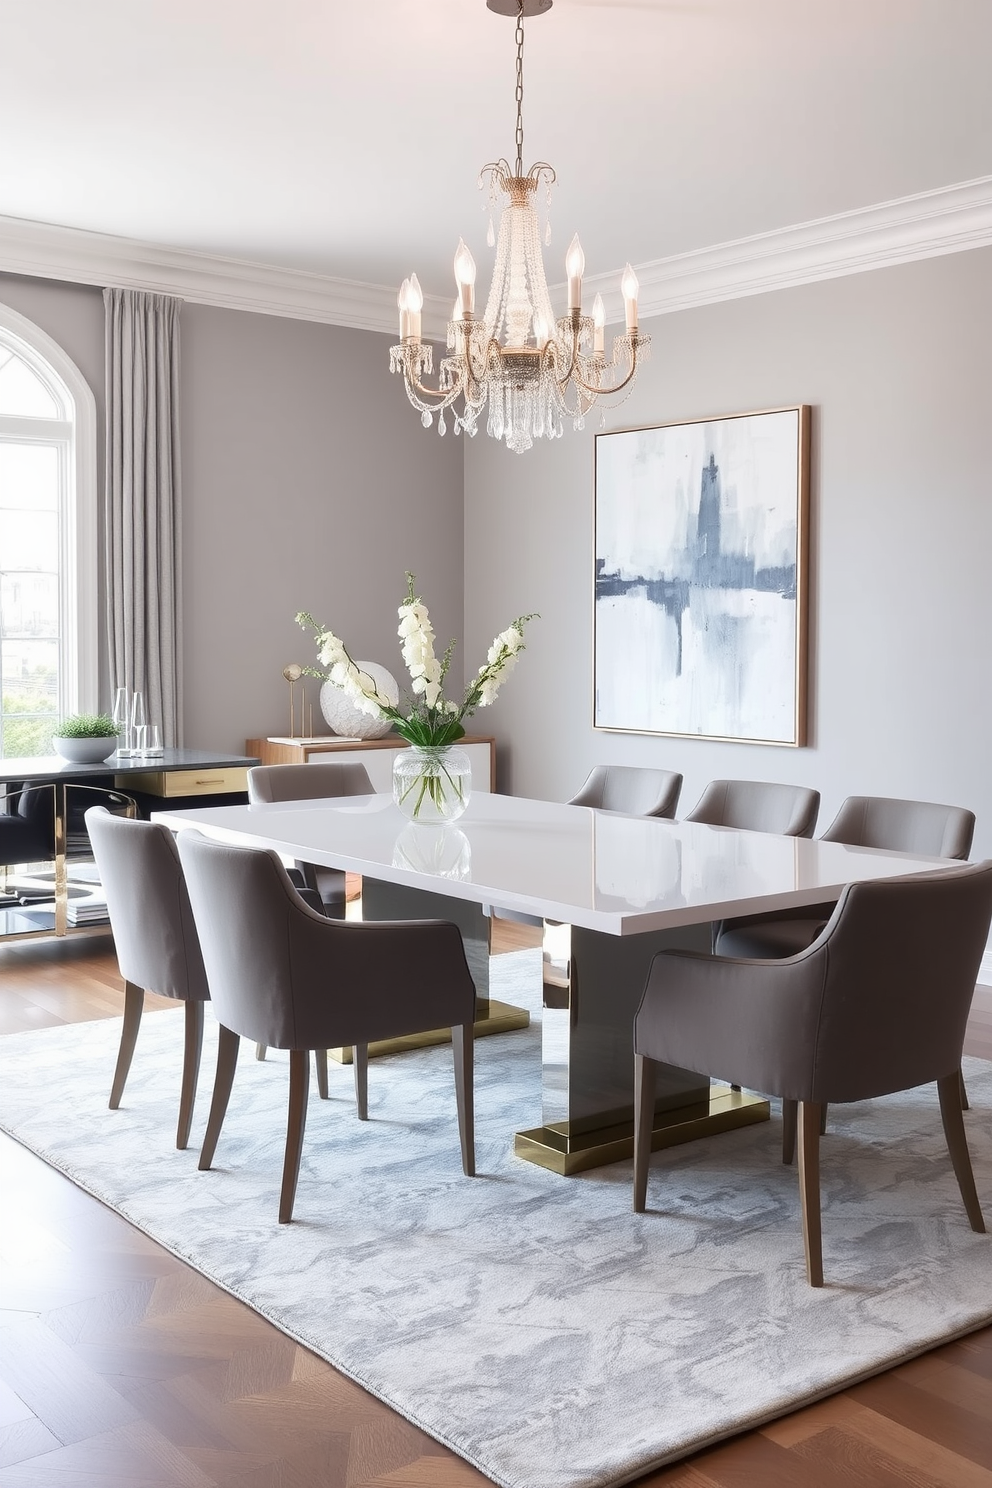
(592, 987)
(388, 901)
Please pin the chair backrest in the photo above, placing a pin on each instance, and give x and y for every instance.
(921, 827)
(758, 806)
(635, 790)
(283, 975)
(311, 782)
(150, 914)
(899, 959)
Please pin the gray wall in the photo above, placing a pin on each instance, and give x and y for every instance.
(896, 365)
(308, 483)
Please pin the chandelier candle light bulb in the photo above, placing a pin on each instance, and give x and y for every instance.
(465, 279)
(629, 286)
(575, 267)
(598, 326)
(529, 369)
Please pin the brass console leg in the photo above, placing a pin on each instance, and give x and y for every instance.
(61, 877)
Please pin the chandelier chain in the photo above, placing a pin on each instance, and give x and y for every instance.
(518, 365)
(520, 87)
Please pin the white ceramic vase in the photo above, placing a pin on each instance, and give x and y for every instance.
(341, 715)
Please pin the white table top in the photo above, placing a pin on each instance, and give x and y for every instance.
(617, 874)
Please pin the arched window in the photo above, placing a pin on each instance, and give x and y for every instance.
(48, 539)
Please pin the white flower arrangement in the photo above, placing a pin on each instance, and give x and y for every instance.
(430, 720)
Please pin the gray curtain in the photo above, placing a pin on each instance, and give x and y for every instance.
(143, 506)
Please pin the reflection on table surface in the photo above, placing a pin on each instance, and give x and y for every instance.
(617, 874)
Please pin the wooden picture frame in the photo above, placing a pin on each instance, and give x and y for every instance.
(701, 578)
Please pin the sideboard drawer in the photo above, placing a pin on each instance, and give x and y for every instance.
(185, 782)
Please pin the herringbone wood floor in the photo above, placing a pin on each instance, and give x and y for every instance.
(120, 1367)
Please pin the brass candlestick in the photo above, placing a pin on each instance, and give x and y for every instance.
(293, 672)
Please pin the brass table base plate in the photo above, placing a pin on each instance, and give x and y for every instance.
(550, 1147)
(503, 1018)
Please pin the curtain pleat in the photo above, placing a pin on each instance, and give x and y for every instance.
(143, 502)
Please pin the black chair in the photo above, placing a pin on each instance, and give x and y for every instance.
(28, 832)
(878, 1003)
(285, 976)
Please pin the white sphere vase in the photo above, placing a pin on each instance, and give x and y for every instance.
(341, 714)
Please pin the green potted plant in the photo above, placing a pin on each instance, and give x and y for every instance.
(85, 738)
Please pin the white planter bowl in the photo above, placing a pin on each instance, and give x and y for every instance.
(86, 751)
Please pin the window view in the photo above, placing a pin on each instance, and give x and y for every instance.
(35, 449)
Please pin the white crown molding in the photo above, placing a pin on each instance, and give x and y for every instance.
(42, 250)
(948, 220)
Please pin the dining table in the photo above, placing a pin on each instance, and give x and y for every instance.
(611, 891)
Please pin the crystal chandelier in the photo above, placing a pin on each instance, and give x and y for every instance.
(532, 370)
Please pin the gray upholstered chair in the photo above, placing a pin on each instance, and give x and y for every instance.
(285, 976)
(312, 782)
(878, 1003)
(324, 889)
(758, 806)
(635, 790)
(922, 828)
(155, 938)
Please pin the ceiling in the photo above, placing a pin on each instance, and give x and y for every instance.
(347, 139)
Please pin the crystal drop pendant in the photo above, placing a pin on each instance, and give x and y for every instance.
(491, 235)
(426, 419)
(442, 427)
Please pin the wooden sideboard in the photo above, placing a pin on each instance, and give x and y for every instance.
(376, 755)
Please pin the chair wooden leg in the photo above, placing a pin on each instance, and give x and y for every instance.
(134, 1001)
(463, 1048)
(810, 1117)
(964, 1094)
(643, 1125)
(228, 1045)
(949, 1091)
(360, 1061)
(790, 1110)
(261, 1050)
(823, 1119)
(320, 1064)
(299, 1088)
(192, 1045)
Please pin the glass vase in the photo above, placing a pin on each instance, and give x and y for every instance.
(432, 784)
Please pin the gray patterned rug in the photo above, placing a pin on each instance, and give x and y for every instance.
(534, 1324)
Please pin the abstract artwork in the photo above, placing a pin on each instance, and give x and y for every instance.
(700, 599)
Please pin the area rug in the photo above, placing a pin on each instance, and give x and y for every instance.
(532, 1323)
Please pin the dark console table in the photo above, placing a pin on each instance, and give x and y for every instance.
(178, 779)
